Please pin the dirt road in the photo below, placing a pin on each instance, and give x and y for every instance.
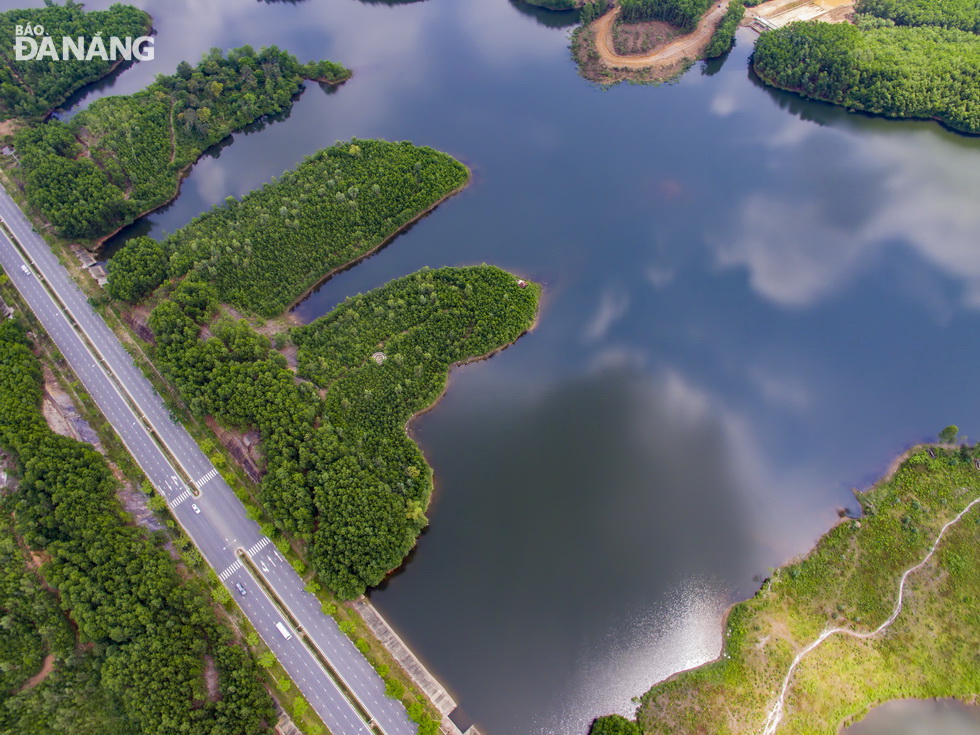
(686, 47)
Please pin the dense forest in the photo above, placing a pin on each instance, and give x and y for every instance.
(341, 473)
(263, 252)
(34, 88)
(149, 632)
(684, 14)
(124, 155)
(900, 71)
(962, 14)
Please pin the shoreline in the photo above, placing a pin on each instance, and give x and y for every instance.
(368, 253)
(469, 361)
(888, 475)
(99, 243)
(870, 113)
(438, 399)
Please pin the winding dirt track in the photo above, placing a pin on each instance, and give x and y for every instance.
(686, 47)
(776, 711)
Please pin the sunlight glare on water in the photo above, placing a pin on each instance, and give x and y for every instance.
(682, 633)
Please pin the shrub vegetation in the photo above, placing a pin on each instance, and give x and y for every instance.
(33, 88)
(850, 580)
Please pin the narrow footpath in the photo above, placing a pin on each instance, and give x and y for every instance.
(776, 711)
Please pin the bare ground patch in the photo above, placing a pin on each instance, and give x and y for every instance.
(46, 668)
(641, 38)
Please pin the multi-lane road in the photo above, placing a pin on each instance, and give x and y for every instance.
(219, 526)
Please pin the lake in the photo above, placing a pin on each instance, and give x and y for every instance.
(910, 717)
(752, 304)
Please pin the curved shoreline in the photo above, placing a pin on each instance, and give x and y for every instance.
(776, 711)
(889, 474)
(857, 110)
(368, 253)
(99, 242)
(688, 46)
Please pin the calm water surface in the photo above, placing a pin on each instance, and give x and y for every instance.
(919, 718)
(752, 304)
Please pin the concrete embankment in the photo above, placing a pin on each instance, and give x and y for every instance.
(429, 685)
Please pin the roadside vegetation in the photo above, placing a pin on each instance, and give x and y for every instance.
(266, 250)
(723, 39)
(146, 635)
(32, 89)
(850, 580)
(342, 475)
(908, 71)
(125, 155)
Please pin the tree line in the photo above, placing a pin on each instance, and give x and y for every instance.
(32, 88)
(961, 14)
(876, 66)
(149, 630)
(684, 14)
(341, 474)
(262, 252)
(723, 39)
(124, 155)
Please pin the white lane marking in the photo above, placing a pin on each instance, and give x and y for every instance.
(181, 498)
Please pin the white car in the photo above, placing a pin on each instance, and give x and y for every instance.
(195, 508)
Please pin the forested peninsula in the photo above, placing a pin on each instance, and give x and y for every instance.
(850, 581)
(124, 156)
(903, 58)
(32, 89)
(134, 658)
(266, 250)
(341, 473)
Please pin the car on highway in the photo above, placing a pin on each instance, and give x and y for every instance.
(241, 590)
(195, 508)
(25, 269)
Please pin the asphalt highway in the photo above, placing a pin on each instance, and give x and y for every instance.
(221, 529)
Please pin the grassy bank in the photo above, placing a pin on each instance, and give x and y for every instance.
(850, 580)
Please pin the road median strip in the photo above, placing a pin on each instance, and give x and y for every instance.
(324, 662)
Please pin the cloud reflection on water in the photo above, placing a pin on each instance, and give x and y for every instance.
(863, 196)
